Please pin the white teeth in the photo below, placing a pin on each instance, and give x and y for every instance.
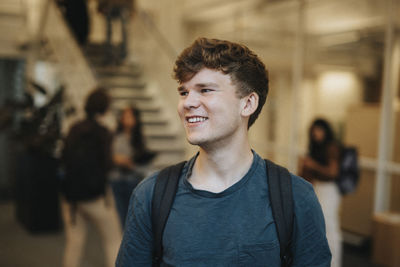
(196, 119)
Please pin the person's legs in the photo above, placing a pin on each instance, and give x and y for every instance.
(108, 48)
(329, 198)
(124, 32)
(118, 188)
(122, 190)
(75, 235)
(126, 195)
(103, 214)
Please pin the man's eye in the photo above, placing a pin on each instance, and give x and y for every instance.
(183, 93)
(206, 90)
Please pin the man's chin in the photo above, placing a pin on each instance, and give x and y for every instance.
(195, 141)
(203, 144)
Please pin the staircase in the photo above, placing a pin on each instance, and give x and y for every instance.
(126, 82)
(126, 86)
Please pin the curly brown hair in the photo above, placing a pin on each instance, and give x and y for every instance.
(246, 70)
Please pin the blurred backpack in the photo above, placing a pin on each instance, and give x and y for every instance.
(85, 176)
(348, 178)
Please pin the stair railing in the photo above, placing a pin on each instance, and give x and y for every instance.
(160, 38)
(151, 48)
(76, 74)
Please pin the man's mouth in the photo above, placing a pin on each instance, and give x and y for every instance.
(195, 119)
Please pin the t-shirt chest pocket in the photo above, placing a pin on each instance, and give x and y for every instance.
(264, 254)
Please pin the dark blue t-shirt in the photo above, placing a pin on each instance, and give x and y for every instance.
(231, 228)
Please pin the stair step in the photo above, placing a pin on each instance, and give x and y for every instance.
(150, 128)
(117, 104)
(158, 135)
(94, 48)
(121, 82)
(148, 108)
(133, 86)
(138, 97)
(153, 120)
(98, 50)
(169, 152)
(164, 160)
(99, 61)
(144, 107)
(174, 146)
(125, 91)
(129, 94)
(118, 71)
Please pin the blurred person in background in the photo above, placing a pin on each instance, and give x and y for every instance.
(116, 10)
(77, 15)
(130, 157)
(87, 161)
(321, 168)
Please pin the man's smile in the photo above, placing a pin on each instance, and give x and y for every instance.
(195, 119)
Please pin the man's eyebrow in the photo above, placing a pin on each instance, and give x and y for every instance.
(202, 85)
(199, 85)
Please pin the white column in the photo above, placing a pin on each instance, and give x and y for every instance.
(386, 134)
(297, 70)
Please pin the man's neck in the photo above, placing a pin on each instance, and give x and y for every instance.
(218, 169)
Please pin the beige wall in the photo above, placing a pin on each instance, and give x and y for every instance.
(362, 131)
(336, 90)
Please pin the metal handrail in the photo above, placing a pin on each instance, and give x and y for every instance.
(76, 74)
(160, 38)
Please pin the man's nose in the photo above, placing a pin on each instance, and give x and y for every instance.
(192, 100)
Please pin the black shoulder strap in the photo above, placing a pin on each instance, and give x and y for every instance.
(280, 191)
(163, 197)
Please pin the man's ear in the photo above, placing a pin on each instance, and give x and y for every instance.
(250, 104)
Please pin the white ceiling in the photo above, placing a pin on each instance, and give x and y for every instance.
(335, 30)
(322, 16)
(344, 31)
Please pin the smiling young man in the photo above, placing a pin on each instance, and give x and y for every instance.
(221, 214)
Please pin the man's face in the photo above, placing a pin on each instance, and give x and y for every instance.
(210, 108)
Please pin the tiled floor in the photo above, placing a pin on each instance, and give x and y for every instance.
(18, 248)
(357, 256)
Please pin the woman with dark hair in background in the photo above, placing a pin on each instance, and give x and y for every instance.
(321, 168)
(130, 157)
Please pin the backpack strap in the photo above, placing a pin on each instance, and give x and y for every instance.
(280, 191)
(163, 197)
